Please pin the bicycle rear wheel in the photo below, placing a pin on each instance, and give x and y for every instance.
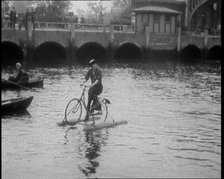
(104, 111)
(100, 112)
(73, 111)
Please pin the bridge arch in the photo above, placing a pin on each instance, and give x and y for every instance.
(199, 11)
(128, 52)
(90, 50)
(190, 53)
(50, 53)
(214, 53)
(11, 53)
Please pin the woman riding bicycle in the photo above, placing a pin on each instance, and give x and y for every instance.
(96, 88)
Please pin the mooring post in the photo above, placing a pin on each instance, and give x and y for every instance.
(205, 43)
(206, 37)
(147, 42)
(29, 43)
(178, 39)
(71, 54)
(111, 42)
(111, 33)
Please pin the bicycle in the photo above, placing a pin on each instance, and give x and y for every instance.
(73, 110)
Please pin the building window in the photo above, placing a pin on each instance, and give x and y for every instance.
(145, 21)
(156, 26)
(168, 18)
(156, 17)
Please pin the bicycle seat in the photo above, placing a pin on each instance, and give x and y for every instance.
(106, 101)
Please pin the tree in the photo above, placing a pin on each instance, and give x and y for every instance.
(41, 12)
(80, 12)
(21, 6)
(125, 16)
(97, 9)
(57, 10)
(53, 11)
(122, 3)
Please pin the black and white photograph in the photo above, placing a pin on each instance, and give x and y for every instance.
(110, 89)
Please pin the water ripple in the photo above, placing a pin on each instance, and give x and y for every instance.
(174, 125)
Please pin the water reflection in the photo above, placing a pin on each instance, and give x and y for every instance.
(20, 113)
(90, 149)
(173, 112)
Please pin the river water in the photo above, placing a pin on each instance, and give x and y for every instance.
(173, 130)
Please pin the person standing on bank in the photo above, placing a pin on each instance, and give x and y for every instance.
(12, 16)
(26, 18)
(96, 88)
(32, 13)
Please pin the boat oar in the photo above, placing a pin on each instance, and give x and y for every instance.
(21, 86)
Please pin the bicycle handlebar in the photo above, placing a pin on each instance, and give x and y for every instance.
(85, 86)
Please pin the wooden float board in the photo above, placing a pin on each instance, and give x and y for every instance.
(104, 125)
(64, 123)
(97, 126)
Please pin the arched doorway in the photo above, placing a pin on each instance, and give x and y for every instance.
(128, 52)
(50, 54)
(11, 53)
(91, 50)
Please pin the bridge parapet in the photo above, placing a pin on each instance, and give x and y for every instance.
(105, 37)
(14, 36)
(61, 37)
(83, 27)
(200, 40)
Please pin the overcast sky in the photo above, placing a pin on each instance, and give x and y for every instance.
(83, 5)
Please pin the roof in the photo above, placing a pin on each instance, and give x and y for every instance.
(156, 9)
(160, 1)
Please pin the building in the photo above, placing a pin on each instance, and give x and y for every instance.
(176, 5)
(156, 19)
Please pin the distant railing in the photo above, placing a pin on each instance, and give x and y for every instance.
(202, 34)
(67, 26)
(83, 27)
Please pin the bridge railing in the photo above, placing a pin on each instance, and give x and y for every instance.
(66, 26)
(83, 27)
(51, 25)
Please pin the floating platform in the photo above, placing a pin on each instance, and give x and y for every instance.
(95, 127)
(72, 123)
(104, 125)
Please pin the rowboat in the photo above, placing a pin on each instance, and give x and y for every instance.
(16, 104)
(32, 83)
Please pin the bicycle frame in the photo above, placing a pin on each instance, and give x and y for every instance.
(82, 99)
(82, 103)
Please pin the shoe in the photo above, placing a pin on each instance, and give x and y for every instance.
(97, 107)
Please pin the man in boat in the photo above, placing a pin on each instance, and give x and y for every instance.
(20, 75)
(96, 88)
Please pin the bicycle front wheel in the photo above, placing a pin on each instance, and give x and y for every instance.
(73, 112)
(104, 111)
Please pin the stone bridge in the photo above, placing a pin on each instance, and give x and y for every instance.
(69, 46)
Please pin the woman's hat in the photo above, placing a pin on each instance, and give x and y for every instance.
(91, 62)
(18, 64)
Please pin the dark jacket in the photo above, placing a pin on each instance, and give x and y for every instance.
(22, 76)
(94, 77)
